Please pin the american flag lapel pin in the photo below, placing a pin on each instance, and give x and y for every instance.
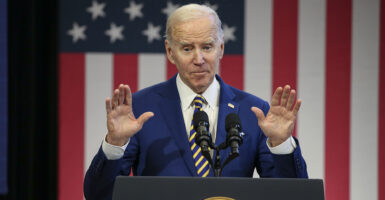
(230, 105)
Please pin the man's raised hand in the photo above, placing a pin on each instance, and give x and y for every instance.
(279, 122)
(121, 121)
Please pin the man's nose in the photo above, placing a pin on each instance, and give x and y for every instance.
(198, 57)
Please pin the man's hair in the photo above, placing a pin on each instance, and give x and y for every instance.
(191, 12)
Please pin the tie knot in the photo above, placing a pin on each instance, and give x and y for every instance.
(198, 102)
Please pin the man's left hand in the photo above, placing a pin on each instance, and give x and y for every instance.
(279, 122)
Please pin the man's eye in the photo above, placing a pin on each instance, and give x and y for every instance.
(207, 48)
(186, 49)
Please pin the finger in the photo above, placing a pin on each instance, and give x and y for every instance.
(277, 94)
(144, 117)
(121, 94)
(296, 107)
(290, 102)
(128, 96)
(285, 95)
(108, 105)
(114, 100)
(259, 113)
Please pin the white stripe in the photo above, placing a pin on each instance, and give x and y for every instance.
(364, 100)
(311, 84)
(258, 36)
(258, 41)
(99, 72)
(152, 69)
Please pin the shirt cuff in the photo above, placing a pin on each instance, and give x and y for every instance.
(113, 152)
(286, 147)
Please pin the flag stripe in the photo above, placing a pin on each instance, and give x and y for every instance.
(126, 70)
(381, 110)
(152, 69)
(364, 100)
(337, 105)
(311, 84)
(71, 125)
(285, 23)
(285, 33)
(232, 70)
(98, 86)
(258, 48)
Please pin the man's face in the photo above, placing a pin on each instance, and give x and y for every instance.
(196, 52)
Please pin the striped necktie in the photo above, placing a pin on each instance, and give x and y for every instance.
(200, 161)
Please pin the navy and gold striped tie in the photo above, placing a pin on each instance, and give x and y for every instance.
(200, 161)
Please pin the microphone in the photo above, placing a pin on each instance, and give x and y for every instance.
(203, 136)
(234, 137)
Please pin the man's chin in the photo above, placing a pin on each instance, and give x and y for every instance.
(201, 86)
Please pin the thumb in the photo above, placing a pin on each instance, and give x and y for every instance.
(144, 117)
(259, 113)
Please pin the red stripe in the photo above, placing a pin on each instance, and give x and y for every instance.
(285, 43)
(381, 117)
(71, 126)
(232, 70)
(337, 113)
(126, 70)
(171, 69)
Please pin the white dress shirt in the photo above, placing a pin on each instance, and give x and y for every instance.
(211, 107)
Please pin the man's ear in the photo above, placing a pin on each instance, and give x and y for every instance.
(222, 49)
(169, 52)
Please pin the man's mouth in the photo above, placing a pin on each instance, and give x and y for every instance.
(200, 73)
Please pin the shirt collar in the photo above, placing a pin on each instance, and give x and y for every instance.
(187, 95)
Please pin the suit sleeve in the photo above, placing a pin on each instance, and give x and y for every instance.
(100, 176)
(279, 166)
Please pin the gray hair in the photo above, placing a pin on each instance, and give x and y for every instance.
(190, 12)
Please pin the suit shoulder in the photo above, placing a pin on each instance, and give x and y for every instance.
(151, 90)
(243, 96)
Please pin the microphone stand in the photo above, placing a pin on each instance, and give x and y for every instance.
(217, 162)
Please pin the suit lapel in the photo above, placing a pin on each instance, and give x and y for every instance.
(172, 113)
(227, 105)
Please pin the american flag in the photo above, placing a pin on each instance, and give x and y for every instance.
(331, 51)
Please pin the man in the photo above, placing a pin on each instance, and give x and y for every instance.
(151, 131)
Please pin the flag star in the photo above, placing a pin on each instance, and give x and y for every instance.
(115, 32)
(96, 10)
(77, 32)
(152, 32)
(170, 8)
(228, 33)
(214, 6)
(134, 10)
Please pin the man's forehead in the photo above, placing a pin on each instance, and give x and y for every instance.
(202, 30)
(203, 41)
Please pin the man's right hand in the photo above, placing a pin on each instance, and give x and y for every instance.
(121, 121)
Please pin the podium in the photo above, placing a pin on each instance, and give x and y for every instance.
(195, 188)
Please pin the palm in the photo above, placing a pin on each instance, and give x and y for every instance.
(121, 121)
(279, 122)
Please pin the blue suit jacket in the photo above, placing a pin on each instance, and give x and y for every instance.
(161, 148)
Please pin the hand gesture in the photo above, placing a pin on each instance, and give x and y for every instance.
(279, 122)
(121, 121)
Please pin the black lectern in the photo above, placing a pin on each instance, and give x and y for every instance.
(194, 188)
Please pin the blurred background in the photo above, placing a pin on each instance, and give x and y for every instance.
(60, 59)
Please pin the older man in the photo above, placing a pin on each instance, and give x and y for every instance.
(151, 133)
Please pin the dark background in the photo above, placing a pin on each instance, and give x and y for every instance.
(32, 92)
